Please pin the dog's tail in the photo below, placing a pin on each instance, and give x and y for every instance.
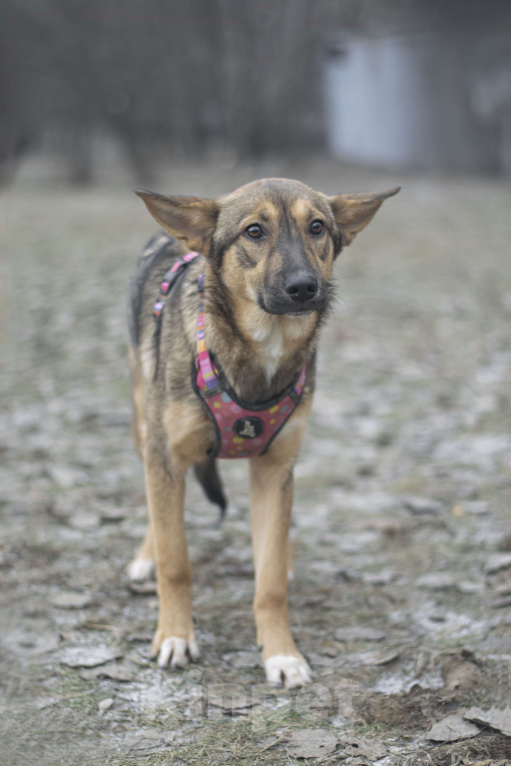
(207, 475)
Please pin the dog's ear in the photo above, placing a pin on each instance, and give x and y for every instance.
(353, 212)
(191, 220)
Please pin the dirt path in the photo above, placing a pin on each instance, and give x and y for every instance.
(402, 595)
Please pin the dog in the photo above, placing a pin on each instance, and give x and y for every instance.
(224, 313)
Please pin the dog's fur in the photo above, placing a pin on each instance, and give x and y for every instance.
(261, 334)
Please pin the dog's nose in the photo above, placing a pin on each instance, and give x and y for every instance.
(302, 287)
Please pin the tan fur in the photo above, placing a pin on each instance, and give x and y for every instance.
(271, 499)
(260, 350)
(138, 423)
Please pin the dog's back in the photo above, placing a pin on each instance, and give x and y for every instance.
(159, 255)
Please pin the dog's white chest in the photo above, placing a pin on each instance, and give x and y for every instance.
(271, 343)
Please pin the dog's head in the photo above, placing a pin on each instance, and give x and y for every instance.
(272, 242)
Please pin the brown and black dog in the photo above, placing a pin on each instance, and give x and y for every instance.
(267, 253)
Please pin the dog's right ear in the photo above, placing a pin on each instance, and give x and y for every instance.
(191, 220)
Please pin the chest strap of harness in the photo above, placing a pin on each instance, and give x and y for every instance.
(241, 429)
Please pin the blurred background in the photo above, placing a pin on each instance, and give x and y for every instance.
(401, 523)
(87, 88)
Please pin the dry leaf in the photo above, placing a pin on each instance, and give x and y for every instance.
(380, 658)
(497, 719)
(88, 656)
(311, 743)
(364, 748)
(105, 705)
(148, 741)
(496, 562)
(71, 600)
(115, 671)
(452, 728)
(229, 697)
(437, 581)
(420, 506)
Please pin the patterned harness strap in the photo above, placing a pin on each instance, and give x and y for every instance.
(241, 430)
(169, 279)
(209, 375)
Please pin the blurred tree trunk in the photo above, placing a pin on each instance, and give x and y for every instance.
(163, 74)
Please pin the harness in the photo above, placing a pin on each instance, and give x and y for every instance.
(241, 429)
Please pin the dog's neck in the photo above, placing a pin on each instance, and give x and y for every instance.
(260, 353)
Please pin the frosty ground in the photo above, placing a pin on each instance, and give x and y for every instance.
(402, 594)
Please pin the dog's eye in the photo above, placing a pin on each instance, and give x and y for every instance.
(316, 227)
(254, 231)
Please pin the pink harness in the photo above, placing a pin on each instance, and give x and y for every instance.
(241, 429)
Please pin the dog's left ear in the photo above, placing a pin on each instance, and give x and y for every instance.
(191, 220)
(353, 212)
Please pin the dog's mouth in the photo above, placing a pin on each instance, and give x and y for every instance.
(299, 314)
(290, 309)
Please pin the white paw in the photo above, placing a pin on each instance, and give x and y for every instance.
(287, 669)
(140, 570)
(177, 652)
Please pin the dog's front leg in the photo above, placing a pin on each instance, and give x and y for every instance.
(174, 642)
(271, 498)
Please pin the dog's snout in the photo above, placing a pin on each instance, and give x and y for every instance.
(302, 287)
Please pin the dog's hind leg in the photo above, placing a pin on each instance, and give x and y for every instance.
(143, 565)
(207, 476)
(174, 642)
(138, 422)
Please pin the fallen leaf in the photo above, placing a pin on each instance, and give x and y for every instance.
(311, 743)
(437, 581)
(421, 506)
(361, 633)
(501, 603)
(229, 696)
(28, 642)
(88, 656)
(499, 719)
(460, 673)
(477, 507)
(451, 728)
(105, 705)
(364, 748)
(147, 742)
(380, 658)
(115, 671)
(382, 577)
(470, 586)
(84, 520)
(496, 562)
(66, 476)
(71, 600)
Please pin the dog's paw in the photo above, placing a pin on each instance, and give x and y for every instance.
(175, 652)
(141, 570)
(287, 669)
